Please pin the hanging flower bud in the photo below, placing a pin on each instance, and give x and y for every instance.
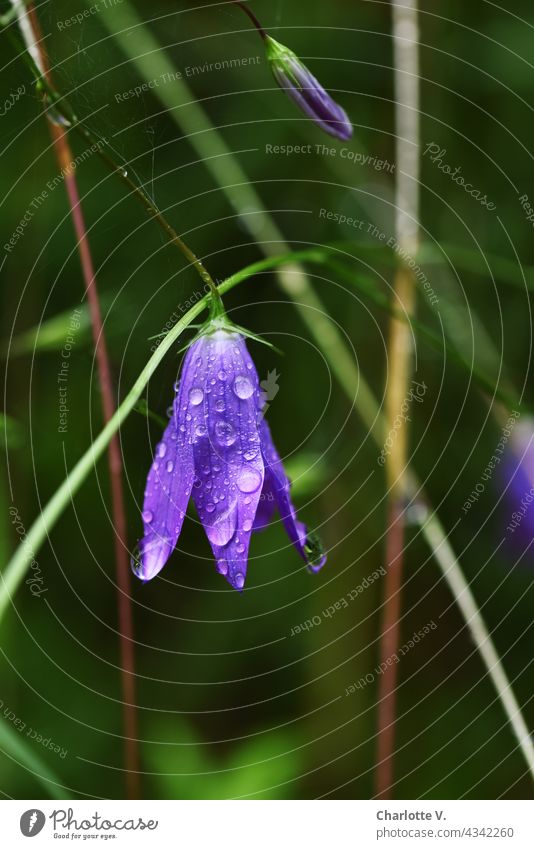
(218, 448)
(307, 92)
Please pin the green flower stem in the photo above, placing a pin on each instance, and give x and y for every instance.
(430, 525)
(150, 60)
(16, 569)
(147, 55)
(14, 572)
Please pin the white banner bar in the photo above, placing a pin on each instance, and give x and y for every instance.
(270, 824)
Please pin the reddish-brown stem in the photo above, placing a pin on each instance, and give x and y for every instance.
(125, 617)
(389, 643)
(252, 17)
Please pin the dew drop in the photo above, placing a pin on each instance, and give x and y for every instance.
(162, 449)
(239, 580)
(249, 480)
(243, 387)
(225, 433)
(240, 548)
(200, 430)
(196, 396)
(250, 454)
(221, 375)
(210, 508)
(247, 525)
(169, 466)
(219, 405)
(222, 567)
(147, 516)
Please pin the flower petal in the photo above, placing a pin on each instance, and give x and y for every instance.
(266, 506)
(306, 91)
(168, 485)
(306, 543)
(227, 456)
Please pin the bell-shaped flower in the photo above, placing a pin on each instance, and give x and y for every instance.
(217, 447)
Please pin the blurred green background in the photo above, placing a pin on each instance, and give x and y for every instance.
(230, 703)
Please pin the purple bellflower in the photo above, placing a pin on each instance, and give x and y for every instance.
(218, 448)
(306, 91)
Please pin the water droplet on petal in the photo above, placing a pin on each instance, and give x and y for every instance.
(210, 508)
(162, 449)
(240, 548)
(247, 525)
(200, 430)
(147, 516)
(249, 480)
(239, 580)
(250, 454)
(196, 396)
(225, 433)
(169, 466)
(219, 405)
(243, 387)
(221, 375)
(222, 567)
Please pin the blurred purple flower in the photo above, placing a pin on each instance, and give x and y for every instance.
(218, 447)
(306, 91)
(518, 478)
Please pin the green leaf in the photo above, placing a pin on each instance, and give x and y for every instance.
(52, 334)
(482, 264)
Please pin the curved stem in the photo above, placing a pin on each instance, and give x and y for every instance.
(15, 570)
(58, 105)
(430, 525)
(252, 17)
